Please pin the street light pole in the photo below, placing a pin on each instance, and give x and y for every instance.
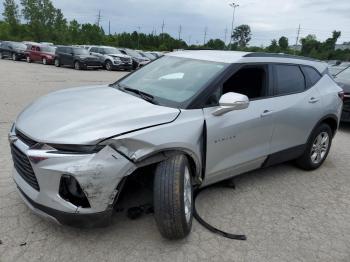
(234, 6)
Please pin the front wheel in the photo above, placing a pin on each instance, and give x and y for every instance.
(14, 57)
(57, 62)
(28, 59)
(317, 148)
(77, 65)
(109, 65)
(173, 197)
(44, 61)
(1, 55)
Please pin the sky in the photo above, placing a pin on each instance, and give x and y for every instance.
(268, 19)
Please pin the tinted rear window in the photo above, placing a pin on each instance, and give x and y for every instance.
(312, 75)
(289, 79)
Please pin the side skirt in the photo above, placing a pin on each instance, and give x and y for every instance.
(284, 156)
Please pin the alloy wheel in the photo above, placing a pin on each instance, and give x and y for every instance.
(319, 148)
(187, 195)
(28, 59)
(77, 65)
(44, 61)
(14, 57)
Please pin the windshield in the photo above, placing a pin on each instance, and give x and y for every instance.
(111, 51)
(81, 51)
(48, 49)
(173, 80)
(344, 74)
(19, 46)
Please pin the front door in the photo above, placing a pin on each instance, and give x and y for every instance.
(239, 141)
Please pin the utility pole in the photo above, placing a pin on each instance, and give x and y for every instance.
(234, 6)
(225, 35)
(180, 30)
(297, 40)
(189, 39)
(98, 18)
(205, 34)
(138, 37)
(109, 27)
(163, 25)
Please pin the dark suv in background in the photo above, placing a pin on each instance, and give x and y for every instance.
(76, 57)
(12, 50)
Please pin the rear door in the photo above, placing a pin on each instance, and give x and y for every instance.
(296, 108)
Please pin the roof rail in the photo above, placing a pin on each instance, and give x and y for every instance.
(262, 54)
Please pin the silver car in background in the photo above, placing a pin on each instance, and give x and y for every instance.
(192, 117)
(111, 58)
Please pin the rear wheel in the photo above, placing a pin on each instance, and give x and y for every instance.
(14, 57)
(317, 148)
(44, 61)
(1, 55)
(173, 197)
(28, 59)
(57, 62)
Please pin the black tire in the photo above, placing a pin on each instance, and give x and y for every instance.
(57, 62)
(1, 55)
(14, 57)
(109, 65)
(305, 161)
(77, 65)
(169, 199)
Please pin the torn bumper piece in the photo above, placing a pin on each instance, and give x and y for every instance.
(97, 177)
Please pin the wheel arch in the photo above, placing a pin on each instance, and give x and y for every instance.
(161, 155)
(332, 121)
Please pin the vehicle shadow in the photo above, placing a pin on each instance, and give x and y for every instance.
(345, 127)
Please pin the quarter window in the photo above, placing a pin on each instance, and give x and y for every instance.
(94, 50)
(312, 75)
(289, 79)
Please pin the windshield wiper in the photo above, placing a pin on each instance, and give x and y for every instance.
(143, 95)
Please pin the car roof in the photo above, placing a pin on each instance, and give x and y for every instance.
(238, 57)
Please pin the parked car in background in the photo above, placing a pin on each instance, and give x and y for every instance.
(343, 79)
(137, 59)
(147, 55)
(156, 54)
(40, 53)
(190, 119)
(111, 57)
(47, 43)
(76, 57)
(12, 50)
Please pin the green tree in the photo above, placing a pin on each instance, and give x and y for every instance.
(242, 35)
(273, 47)
(283, 43)
(216, 44)
(11, 16)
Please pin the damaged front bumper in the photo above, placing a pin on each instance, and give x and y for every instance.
(97, 176)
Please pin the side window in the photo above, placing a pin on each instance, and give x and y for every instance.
(32, 48)
(101, 51)
(94, 50)
(312, 75)
(289, 79)
(250, 81)
(38, 49)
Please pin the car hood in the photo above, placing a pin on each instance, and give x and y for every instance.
(119, 55)
(88, 115)
(344, 83)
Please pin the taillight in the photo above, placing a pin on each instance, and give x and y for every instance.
(341, 95)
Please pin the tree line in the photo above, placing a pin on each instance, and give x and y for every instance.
(40, 21)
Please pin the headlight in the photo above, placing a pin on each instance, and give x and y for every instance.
(76, 149)
(117, 59)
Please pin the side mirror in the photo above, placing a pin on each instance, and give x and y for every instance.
(230, 102)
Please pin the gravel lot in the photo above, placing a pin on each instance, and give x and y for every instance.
(287, 214)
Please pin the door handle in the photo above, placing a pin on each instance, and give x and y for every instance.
(266, 113)
(313, 100)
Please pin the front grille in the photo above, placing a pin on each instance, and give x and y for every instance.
(28, 141)
(23, 167)
(125, 60)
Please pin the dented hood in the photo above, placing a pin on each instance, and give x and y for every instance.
(88, 115)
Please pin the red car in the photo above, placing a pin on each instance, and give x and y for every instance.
(42, 53)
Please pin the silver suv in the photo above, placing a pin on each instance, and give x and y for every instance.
(193, 118)
(111, 58)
